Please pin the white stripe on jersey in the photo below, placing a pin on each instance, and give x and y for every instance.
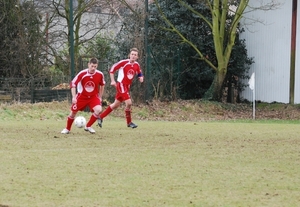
(79, 85)
(122, 87)
(121, 74)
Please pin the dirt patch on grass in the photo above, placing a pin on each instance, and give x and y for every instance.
(192, 110)
(196, 110)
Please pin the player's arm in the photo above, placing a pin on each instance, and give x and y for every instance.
(112, 79)
(73, 86)
(101, 91)
(141, 77)
(115, 68)
(73, 92)
(140, 74)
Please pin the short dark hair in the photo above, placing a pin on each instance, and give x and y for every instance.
(93, 61)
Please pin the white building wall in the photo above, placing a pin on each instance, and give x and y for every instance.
(269, 43)
(297, 67)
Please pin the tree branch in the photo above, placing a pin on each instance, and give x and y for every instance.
(184, 40)
(195, 12)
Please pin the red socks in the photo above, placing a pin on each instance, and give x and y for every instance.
(69, 123)
(92, 120)
(109, 109)
(128, 115)
(106, 112)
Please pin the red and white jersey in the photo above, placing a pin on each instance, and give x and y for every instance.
(127, 71)
(87, 84)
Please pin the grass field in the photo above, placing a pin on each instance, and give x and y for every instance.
(161, 163)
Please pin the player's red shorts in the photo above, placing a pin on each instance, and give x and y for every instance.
(122, 92)
(83, 102)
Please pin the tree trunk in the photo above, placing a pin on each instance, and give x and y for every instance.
(214, 93)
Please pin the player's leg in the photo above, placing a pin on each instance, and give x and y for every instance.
(95, 105)
(128, 104)
(70, 120)
(89, 124)
(108, 110)
(75, 107)
(129, 122)
(113, 106)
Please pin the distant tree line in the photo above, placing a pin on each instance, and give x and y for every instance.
(182, 61)
(21, 41)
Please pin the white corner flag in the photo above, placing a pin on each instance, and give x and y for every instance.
(252, 82)
(252, 87)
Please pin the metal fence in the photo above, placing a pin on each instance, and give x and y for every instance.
(31, 90)
(43, 89)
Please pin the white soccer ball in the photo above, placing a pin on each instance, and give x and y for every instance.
(80, 121)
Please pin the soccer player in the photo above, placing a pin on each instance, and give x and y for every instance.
(127, 69)
(89, 85)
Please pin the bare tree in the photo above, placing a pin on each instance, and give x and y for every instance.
(90, 18)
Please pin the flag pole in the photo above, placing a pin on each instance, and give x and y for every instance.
(254, 103)
(252, 87)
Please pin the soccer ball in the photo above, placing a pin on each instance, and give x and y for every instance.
(80, 121)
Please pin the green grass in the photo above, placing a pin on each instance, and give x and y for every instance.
(160, 163)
